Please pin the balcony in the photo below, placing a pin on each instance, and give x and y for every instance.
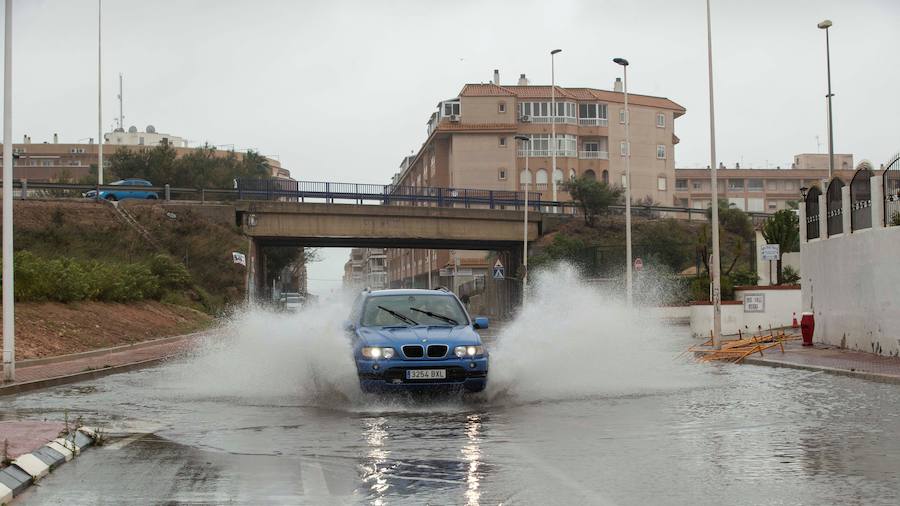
(593, 155)
(544, 153)
(593, 122)
(550, 119)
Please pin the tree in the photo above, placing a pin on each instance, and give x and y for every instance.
(593, 197)
(783, 229)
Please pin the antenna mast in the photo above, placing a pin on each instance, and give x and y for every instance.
(121, 116)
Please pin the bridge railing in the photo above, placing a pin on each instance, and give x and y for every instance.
(358, 193)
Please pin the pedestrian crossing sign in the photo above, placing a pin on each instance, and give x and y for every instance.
(498, 272)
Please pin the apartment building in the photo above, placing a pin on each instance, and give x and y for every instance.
(366, 267)
(759, 190)
(471, 143)
(53, 161)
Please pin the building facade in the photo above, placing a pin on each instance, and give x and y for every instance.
(471, 144)
(759, 190)
(366, 268)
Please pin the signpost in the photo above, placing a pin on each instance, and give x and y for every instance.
(498, 272)
(770, 252)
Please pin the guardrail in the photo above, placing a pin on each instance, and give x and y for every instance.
(357, 193)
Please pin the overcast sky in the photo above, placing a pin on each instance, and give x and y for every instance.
(341, 90)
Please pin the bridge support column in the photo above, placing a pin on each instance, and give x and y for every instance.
(252, 277)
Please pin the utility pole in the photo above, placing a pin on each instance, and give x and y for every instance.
(713, 168)
(825, 25)
(99, 95)
(629, 274)
(553, 119)
(9, 317)
(121, 114)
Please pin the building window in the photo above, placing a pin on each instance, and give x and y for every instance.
(773, 205)
(623, 148)
(661, 120)
(661, 183)
(451, 108)
(622, 116)
(755, 185)
(789, 186)
(624, 181)
(661, 151)
(502, 142)
(501, 107)
(141, 141)
(773, 185)
(604, 175)
(681, 184)
(735, 185)
(697, 185)
(540, 177)
(501, 174)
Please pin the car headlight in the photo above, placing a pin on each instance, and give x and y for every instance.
(375, 352)
(468, 351)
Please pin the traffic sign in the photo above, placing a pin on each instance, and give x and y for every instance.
(498, 272)
(638, 264)
(770, 251)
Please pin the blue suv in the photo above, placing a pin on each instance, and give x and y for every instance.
(416, 340)
(132, 190)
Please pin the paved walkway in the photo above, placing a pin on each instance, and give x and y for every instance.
(832, 359)
(40, 373)
(26, 435)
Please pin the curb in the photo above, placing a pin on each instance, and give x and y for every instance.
(96, 353)
(18, 388)
(871, 376)
(28, 469)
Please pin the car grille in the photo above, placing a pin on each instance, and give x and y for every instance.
(437, 350)
(413, 351)
(454, 374)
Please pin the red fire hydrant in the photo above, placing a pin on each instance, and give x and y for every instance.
(807, 327)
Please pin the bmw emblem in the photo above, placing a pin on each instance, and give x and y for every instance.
(424, 340)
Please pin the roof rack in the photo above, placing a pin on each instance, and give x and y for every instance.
(442, 288)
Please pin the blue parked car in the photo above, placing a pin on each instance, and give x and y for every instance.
(124, 193)
(416, 340)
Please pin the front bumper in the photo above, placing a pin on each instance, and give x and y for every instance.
(387, 375)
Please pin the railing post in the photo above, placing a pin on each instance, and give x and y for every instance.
(168, 192)
(240, 189)
(491, 198)
(802, 209)
(202, 195)
(876, 190)
(823, 216)
(328, 193)
(24, 184)
(440, 197)
(845, 209)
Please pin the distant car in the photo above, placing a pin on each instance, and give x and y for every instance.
(416, 340)
(292, 301)
(124, 193)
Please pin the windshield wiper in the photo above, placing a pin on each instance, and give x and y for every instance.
(399, 316)
(447, 319)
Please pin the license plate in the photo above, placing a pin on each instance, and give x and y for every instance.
(426, 374)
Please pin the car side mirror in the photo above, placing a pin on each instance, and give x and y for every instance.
(349, 326)
(480, 322)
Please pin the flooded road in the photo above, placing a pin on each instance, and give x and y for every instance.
(574, 414)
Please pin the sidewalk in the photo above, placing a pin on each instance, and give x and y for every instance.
(833, 360)
(46, 372)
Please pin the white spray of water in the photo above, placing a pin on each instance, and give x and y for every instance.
(573, 340)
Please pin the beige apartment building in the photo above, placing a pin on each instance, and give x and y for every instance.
(471, 143)
(366, 267)
(52, 161)
(759, 190)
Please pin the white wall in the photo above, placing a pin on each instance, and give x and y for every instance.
(852, 284)
(780, 306)
(702, 319)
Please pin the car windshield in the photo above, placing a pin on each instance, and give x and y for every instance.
(293, 299)
(117, 183)
(385, 310)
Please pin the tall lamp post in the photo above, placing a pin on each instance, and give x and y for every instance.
(9, 336)
(629, 290)
(99, 96)
(527, 140)
(713, 168)
(825, 25)
(553, 118)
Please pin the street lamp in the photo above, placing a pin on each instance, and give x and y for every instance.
(553, 118)
(628, 268)
(527, 140)
(9, 320)
(99, 95)
(824, 25)
(713, 169)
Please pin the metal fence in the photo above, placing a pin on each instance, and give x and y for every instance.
(812, 213)
(892, 192)
(861, 200)
(834, 207)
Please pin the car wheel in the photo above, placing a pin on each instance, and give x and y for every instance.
(152, 197)
(111, 198)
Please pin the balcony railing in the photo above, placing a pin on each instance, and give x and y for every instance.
(545, 153)
(593, 155)
(593, 122)
(550, 119)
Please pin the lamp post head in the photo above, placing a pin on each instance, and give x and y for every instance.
(824, 24)
(621, 61)
(523, 138)
(556, 51)
(803, 191)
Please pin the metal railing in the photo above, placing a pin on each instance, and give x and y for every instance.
(812, 213)
(891, 178)
(361, 194)
(861, 200)
(550, 119)
(545, 153)
(593, 155)
(834, 207)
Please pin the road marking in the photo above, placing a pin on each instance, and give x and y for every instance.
(313, 477)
